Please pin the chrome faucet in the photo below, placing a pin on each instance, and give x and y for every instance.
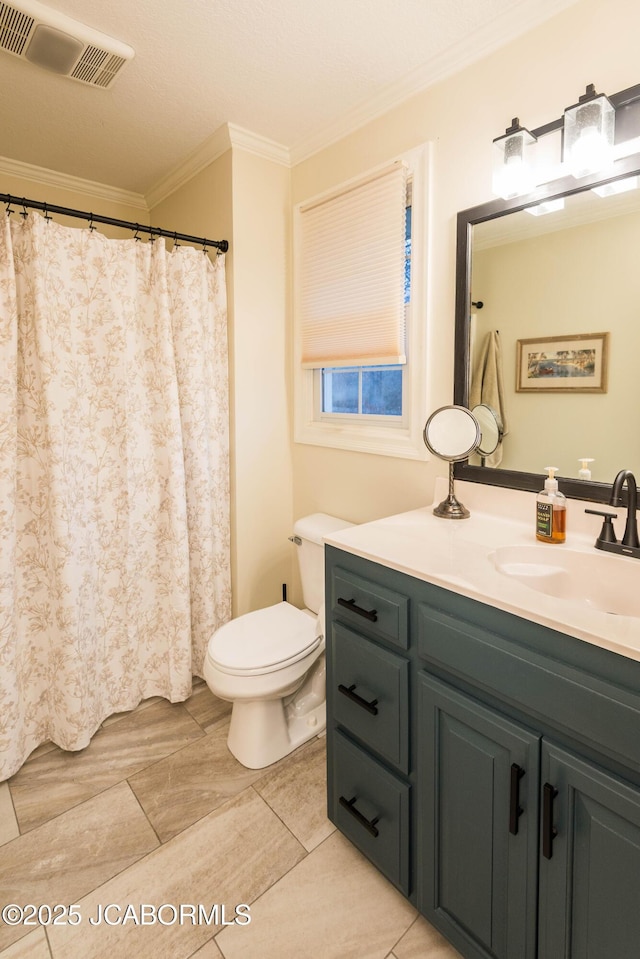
(629, 545)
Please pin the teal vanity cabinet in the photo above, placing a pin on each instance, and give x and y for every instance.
(505, 766)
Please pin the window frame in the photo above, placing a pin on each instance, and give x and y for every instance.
(387, 419)
(382, 435)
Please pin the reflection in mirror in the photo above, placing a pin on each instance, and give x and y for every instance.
(491, 431)
(452, 433)
(571, 273)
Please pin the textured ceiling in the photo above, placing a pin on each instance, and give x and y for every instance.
(288, 70)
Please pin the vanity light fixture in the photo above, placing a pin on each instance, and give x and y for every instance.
(513, 173)
(586, 140)
(588, 134)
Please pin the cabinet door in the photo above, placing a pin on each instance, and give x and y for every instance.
(590, 862)
(478, 824)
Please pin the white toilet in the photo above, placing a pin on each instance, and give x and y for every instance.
(270, 663)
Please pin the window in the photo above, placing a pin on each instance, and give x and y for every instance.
(373, 400)
(370, 391)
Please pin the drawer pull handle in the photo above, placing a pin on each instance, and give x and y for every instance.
(369, 825)
(370, 614)
(348, 691)
(515, 811)
(548, 831)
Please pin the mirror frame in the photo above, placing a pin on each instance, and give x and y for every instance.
(567, 186)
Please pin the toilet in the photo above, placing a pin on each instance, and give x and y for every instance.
(270, 663)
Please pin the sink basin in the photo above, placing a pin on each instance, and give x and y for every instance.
(600, 581)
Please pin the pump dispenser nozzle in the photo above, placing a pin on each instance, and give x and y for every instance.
(551, 482)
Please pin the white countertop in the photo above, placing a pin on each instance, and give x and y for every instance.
(455, 554)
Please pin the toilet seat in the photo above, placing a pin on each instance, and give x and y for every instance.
(264, 641)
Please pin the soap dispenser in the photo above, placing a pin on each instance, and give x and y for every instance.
(551, 510)
(584, 473)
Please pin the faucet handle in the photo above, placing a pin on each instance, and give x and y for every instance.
(607, 533)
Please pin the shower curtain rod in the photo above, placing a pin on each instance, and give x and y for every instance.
(221, 245)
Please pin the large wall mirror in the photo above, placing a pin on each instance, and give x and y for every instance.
(556, 279)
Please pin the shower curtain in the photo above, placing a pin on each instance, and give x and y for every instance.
(114, 477)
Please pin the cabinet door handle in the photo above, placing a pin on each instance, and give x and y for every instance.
(348, 691)
(548, 830)
(515, 811)
(369, 824)
(370, 614)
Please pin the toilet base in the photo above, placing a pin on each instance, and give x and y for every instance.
(260, 733)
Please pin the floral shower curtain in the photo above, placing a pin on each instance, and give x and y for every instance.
(114, 479)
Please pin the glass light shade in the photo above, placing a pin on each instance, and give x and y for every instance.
(548, 206)
(588, 134)
(513, 173)
(617, 186)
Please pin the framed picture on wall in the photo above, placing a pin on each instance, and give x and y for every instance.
(576, 363)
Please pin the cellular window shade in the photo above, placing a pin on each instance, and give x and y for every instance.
(352, 275)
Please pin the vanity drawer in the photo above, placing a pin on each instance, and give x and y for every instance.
(370, 694)
(370, 807)
(370, 607)
(573, 701)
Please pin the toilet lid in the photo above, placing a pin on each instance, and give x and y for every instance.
(264, 640)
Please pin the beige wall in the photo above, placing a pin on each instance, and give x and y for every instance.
(260, 400)
(245, 199)
(533, 78)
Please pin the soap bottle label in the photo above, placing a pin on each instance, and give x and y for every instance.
(544, 520)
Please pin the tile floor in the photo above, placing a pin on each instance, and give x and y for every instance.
(157, 813)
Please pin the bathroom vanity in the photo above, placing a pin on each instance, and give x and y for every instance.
(483, 739)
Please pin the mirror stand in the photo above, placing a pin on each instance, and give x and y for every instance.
(451, 508)
(452, 433)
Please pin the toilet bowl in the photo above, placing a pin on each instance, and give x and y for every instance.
(270, 663)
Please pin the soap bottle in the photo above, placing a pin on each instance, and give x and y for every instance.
(584, 472)
(551, 510)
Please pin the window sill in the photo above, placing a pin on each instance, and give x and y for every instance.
(385, 441)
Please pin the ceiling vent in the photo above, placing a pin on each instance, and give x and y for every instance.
(34, 32)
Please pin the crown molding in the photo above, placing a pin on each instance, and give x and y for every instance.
(495, 34)
(258, 145)
(226, 137)
(90, 188)
(208, 151)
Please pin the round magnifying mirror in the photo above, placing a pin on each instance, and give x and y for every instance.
(452, 433)
(491, 431)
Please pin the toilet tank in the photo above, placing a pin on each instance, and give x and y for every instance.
(311, 530)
